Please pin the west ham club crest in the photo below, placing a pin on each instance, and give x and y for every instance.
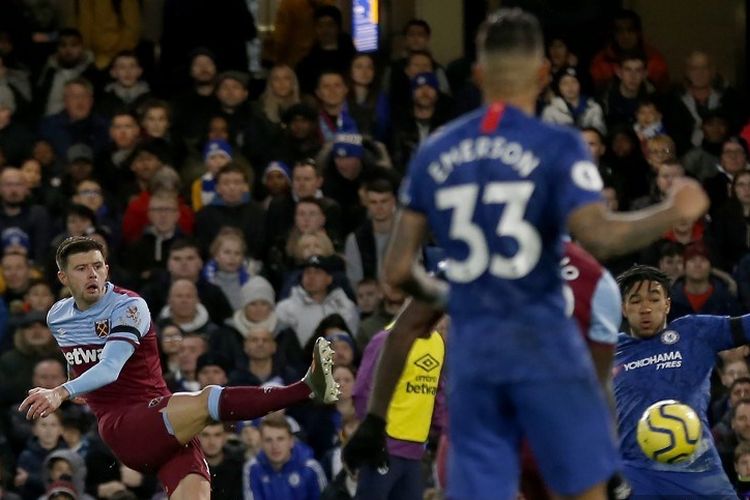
(101, 327)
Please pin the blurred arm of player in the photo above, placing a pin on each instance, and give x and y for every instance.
(400, 267)
(368, 444)
(606, 315)
(606, 234)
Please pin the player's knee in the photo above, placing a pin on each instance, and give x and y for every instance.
(211, 396)
(206, 391)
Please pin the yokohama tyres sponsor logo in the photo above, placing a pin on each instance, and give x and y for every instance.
(671, 359)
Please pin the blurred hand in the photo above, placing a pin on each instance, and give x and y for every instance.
(688, 198)
(367, 445)
(21, 477)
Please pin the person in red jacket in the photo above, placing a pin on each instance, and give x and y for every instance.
(135, 219)
(627, 37)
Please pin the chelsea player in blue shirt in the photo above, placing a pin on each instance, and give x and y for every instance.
(498, 189)
(655, 361)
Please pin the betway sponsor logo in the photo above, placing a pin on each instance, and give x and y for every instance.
(80, 356)
(671, 359)
(428, 389)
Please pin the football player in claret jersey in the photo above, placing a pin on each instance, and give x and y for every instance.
(498, 189)
(107, 337)
(656, 361)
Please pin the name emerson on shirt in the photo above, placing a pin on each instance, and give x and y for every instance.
(483, 147)
(511, 153)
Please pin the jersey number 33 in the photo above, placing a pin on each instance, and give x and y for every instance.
(462, 200)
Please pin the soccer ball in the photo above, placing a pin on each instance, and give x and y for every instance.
(669, 431)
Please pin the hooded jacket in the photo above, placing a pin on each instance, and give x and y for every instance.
(588, 114)
(77, 466)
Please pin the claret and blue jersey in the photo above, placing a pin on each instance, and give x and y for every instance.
(118, 316)
(497, 187)
(673, 364)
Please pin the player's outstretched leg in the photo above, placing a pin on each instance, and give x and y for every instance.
(189, 413)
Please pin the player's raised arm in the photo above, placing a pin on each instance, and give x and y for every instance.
(400, 269)
(606, 234)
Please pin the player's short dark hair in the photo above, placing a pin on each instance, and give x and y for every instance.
(511, 31)
(276, 421)
(74, 245)
(639, 273)
(418, 22)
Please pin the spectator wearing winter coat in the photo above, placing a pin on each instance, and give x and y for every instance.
(570, 106)
(312, 301)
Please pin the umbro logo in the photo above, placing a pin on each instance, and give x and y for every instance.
(427, 362)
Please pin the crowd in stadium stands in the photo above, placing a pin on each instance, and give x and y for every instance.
(253, 213)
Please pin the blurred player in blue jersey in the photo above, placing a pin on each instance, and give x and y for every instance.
(109, 342)
(655, 361)
(498, 189)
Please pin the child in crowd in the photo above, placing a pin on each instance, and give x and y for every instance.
(38, 297)
(571, 107)
(216, 154)
(648, 121)
(369, 296)
(127, 90)
(155, 118)
(229, 268)
(47, 438)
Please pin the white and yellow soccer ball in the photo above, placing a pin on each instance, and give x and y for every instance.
(669, 432)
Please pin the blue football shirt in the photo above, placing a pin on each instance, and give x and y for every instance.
(674, 364)
(497, 187)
